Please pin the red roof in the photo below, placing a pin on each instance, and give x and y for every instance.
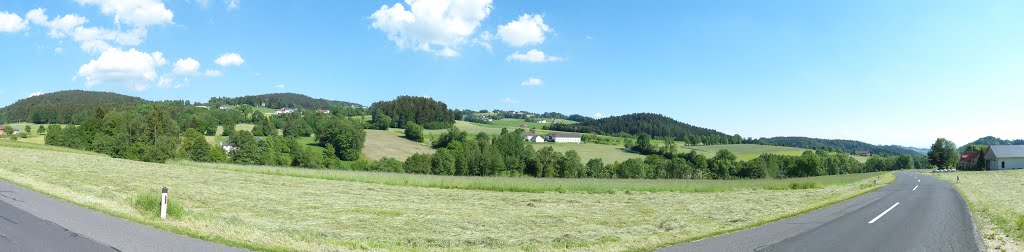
(969, 155)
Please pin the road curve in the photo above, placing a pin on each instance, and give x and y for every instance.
(915, 213)
(31, 221)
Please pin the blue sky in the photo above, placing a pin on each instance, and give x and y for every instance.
(885, 72)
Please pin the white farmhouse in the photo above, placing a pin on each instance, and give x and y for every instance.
(565, 137)
(532, 137)
(1005, 157)
(228, 148)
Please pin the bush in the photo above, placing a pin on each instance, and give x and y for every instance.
(414, 131)
(148, 204)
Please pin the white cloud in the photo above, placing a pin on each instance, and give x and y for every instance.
(34, 94)
(165, 81)
(598, 115)
(532, 56)
(213, 73)
(187, 66)
(509, 100)
(279, 86)
(484, 40)
(533, 82)
(10, 22)
(437, 26)
(91, 39)
(132, 68)
(527, 30)
(230, 59)
(232, 4)
(140, 13)
(58, 50)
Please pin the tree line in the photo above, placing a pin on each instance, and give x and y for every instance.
(282, 100)
(159, 132)
(837, 145)
(506, 154)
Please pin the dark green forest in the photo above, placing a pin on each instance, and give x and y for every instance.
(424, 111)
(64, 107)
(655, 125)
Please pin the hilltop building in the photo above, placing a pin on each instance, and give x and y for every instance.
(1005, 157)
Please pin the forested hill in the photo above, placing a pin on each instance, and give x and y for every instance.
(848, 146)
(652, 124)
(281, 100)
(70, 106)
(991, 140)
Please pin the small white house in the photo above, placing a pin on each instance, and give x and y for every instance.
(565, 137)
(1005, 157)
(531, 137)
(543, 121)
(283, 111)
(228, 148)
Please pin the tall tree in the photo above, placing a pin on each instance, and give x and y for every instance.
(943, 153)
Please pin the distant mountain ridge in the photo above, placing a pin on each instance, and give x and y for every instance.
(848, 146)
(69, 106)
(282, 100)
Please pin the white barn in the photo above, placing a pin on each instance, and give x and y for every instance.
(1005, 157)
(565, 137)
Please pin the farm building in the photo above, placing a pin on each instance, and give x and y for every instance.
(1005, 157)
(968, 160)
(532, 137)
(565, 137)
(283, 111)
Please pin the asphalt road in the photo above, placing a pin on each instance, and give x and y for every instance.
(917, 212)
(31, 221)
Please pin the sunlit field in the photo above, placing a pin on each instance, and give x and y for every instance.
(285, 212)
(997, 202)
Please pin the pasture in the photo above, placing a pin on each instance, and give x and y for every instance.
(283, 213)
(381, 143)
(996, 199)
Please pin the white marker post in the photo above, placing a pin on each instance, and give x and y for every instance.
(163, 204)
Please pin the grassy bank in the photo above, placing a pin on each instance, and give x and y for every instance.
(536, 185)
(272, 212)
(997, 202)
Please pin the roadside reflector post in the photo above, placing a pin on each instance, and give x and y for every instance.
(163, 203)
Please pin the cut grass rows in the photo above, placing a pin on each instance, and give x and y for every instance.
(279, 213)
(996, 199)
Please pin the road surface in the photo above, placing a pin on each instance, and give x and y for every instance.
(917, 212)
(31, 221)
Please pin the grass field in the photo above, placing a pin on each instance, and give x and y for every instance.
(996, 199)
(279, 213)
(607, 153)
(381, 143)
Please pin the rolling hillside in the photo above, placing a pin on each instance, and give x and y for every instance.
(64, 107)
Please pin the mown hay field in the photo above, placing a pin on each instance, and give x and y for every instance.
(286, 213)
(996, 199)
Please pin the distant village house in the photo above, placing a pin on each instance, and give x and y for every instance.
(283, 111)
(968, 160)
(863, 153)
(1005, 157)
